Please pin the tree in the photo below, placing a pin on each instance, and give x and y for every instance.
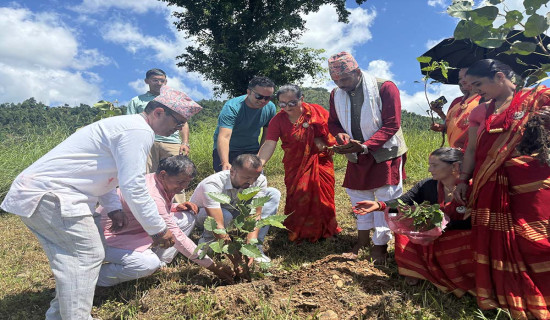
(236, 40)
(481, 26)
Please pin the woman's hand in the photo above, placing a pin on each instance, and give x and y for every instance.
(437, 127)
(365, 206)
(460, 193)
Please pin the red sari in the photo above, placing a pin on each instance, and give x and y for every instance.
(505, 274)
(457, 120)
(447, 262)
(309, 174)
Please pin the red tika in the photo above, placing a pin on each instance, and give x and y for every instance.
(309, 174)
(503, 238)
(447, 262)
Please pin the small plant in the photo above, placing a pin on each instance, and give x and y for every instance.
(425, 216)
(239, 250)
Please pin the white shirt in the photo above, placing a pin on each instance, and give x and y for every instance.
(87, 167)
(220, 182)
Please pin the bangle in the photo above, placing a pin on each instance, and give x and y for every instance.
(160, 234)
(185, 144)
(381, 205)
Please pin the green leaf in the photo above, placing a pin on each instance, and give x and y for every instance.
(239, 221)
(275, 221)
(219, 231)
(250, 250)
(201, 247)
(259, 202)
(494, 38)
(522, 48)
(470, 30)
(248, 193)
(531, 6)
(249, 224)
(253, 241)
(460, 9)
(219, 197)
(233, 247)
(423, 59)
(210, 224)
(535, 25)
(217, 246)
(512, 19)
(484, 16)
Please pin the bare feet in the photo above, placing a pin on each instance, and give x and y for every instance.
(363, 241)
(379, 254)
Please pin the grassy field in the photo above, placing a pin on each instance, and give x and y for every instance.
(27, 283)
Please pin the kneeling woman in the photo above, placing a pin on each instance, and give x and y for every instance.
(447, 262)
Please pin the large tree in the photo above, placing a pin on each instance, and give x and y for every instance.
(236, 40)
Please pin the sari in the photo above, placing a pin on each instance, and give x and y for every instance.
(457, 122)
(504, 277)
(309, 173)
(447, 262)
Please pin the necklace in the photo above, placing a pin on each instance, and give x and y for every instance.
(503, 104)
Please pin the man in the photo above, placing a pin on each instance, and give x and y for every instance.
(365, 118)
(240, 122)
(56, 195)
(127, 250)
(177, 142)
(245, 172)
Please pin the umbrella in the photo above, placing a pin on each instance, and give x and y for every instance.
(463, 53)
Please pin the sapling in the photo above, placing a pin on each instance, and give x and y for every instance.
(425, 216)
(239, 250)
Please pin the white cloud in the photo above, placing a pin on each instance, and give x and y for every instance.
(381, 69)
(416, 101)
(141, 6)
(434, 3)
(41, 58)
(431, 43)
(325, 32)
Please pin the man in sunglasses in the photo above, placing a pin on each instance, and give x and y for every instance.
(365, 119)
(240, 122)
(177, 142)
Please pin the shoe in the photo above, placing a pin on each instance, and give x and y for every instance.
(379, 254)
(263, 258)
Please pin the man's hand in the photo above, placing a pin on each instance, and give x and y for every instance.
(164, 239)
(224, 236)
(342, 138)
(353, 146)
(226, 166)
(188, 206)
(118, 220)
(184, 149)
(365, 206)
(223, 272)
(437, 127)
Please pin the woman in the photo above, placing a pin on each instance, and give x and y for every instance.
(502, 229)
(447, 262)
(456, 120)
(309, 171)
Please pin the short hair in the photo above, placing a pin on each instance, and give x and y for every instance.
(155, 72)
(489, 67)
(175, 165)
(260, 81)
(250, 159)
(152, 105)
(448, 155)
(289, 88)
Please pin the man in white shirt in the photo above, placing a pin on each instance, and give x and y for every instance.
(56, 196)
(245, 172)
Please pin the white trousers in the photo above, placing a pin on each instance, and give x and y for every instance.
(74, 249)
(126, 265)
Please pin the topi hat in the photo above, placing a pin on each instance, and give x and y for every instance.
(178, 102)
(340, 64)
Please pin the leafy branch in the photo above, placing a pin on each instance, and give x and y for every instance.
(425, 216)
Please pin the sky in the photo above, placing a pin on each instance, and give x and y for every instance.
(83, 51)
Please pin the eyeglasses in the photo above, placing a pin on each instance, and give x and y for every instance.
(291, 103)
(258, 96)
(179, 124)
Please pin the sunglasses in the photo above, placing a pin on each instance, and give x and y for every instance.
(258, 96)
(292, 103)
(179, 124)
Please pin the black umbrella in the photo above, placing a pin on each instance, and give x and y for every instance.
(463, 53)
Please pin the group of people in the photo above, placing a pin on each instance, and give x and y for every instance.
(135, 166)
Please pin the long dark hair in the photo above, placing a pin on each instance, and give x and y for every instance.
(489, 67)
(448, 155)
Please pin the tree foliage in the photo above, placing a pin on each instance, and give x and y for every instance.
(236, 40)
(489, 27)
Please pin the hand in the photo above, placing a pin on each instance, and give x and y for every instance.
(226, 166)
(353, 146)
(342, 138)
(118, 220)
(320, 144)
(223, 272)
(437, 127)
(224, 236)
(188, 206)
(365, 206)
(460, 193)
(165, 241)
(184, 149)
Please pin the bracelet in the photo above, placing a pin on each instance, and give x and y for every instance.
(381, 205)
(185, 144)
(160, 234)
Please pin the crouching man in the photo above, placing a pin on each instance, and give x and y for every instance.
(128, 247)
(245, 172)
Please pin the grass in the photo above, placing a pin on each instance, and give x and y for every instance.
(178, 291)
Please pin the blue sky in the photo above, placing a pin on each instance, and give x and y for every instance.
(82, 51)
